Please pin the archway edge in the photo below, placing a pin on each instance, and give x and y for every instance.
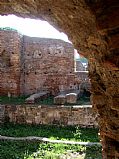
(74, 18)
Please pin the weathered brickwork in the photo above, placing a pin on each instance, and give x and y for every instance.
(29, 65)
(48, 64)
(76, 115)
(10, 62)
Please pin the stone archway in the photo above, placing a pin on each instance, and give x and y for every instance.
(93, 27)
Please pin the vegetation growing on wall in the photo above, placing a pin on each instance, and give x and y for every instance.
(8, 28)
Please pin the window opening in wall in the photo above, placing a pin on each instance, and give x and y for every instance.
(80, 63)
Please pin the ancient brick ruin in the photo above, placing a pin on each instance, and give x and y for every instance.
(93, 28)
(30, 65)
(10, 62)
(32, 114)
(47, 65)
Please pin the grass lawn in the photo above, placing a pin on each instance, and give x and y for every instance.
(48, 101)
(73, 133)
(12, 100)
(28, 150)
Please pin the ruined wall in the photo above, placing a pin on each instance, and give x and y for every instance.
(82, 76)
(10, 48)
(82, 116)
(48, 64)
(83, 82)
(79, 66)
(30, 65)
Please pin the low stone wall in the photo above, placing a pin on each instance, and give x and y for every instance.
(59, 115)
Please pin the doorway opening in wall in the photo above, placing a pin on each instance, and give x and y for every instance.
(80, 62)
(41, 72)
(81, 71)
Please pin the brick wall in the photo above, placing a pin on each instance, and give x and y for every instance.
(47, 64)
(66, 115)
(29, 65)
(10, 48)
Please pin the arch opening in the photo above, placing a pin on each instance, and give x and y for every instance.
(97, 38)
(44, 63)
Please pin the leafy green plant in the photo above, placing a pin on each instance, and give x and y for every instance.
(7, 28)
(26, 150)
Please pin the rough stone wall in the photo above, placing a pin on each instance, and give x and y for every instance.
(47, 63)
(10, 49)
(104, 74)
(82, 116)
(2, 110)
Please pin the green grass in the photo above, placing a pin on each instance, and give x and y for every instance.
(31, 150)
(49, 101)
(12, 100)
(26, 150)
(73, 133)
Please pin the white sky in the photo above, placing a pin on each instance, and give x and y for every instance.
(33, 28)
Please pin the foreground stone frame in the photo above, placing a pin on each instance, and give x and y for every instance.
(93, 27)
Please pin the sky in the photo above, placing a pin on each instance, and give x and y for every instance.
(33, 28)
